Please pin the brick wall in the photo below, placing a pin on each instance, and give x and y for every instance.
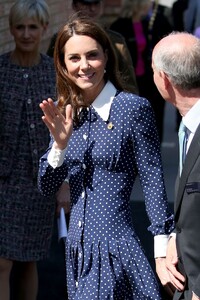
(59, 9)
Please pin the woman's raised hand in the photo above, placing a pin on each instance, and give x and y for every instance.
(59, 126)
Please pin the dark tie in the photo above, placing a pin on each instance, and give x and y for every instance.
(183, 138)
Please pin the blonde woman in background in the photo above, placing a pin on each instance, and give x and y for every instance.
(26, 218)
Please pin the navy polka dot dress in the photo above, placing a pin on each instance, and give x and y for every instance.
(104, 258)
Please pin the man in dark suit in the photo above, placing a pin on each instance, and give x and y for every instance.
(176, 66)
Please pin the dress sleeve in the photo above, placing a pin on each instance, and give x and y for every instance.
(50, 178)
(148, 158)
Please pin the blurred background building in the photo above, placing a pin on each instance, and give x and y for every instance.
(60, 10)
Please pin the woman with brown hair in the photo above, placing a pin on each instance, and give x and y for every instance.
(102, 137)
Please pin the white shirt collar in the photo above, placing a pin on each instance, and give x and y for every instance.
(102, 103)
(192, 119)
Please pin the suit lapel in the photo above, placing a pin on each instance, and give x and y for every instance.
(191, 157)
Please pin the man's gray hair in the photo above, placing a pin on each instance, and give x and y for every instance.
(181, 65)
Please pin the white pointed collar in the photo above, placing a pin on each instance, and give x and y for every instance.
(192, 119)
(102, 103)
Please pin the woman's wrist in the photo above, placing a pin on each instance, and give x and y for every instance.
(59, 146)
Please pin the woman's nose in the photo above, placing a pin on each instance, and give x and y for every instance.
(26, 32)
(84, 64)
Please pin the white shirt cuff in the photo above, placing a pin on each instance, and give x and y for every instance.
(160, 245)
(56, 157)
(173, 234)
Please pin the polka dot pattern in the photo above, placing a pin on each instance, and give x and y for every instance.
(104, 257)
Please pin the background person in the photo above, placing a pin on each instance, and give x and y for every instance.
(111, 138)
(176, 66)
(192, 16)
(143, 24)
(26, 218)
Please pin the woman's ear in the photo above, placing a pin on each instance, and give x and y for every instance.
(65, 70)
(11, 30)
(106, 57)
(45, 26)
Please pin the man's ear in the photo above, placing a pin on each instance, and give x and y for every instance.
(165, 79)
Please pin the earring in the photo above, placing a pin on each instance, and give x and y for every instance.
(104, 71)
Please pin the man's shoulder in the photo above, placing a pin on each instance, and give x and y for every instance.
(115, 36)
(50, 50)
(54, 36)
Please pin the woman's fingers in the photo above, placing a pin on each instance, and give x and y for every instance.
(68, 112)
(60, 127)
(48, 109)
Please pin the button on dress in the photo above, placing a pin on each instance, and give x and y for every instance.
(104, 257)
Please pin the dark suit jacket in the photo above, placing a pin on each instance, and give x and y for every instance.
(187, 218)
(161, 27)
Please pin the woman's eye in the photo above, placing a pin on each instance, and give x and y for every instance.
(30, 27)
(19, 27)
(33, 27)
(93, 54)
(74, 58)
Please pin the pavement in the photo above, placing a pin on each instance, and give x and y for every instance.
(52, 284)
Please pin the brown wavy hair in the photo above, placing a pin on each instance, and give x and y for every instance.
(67, 91)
